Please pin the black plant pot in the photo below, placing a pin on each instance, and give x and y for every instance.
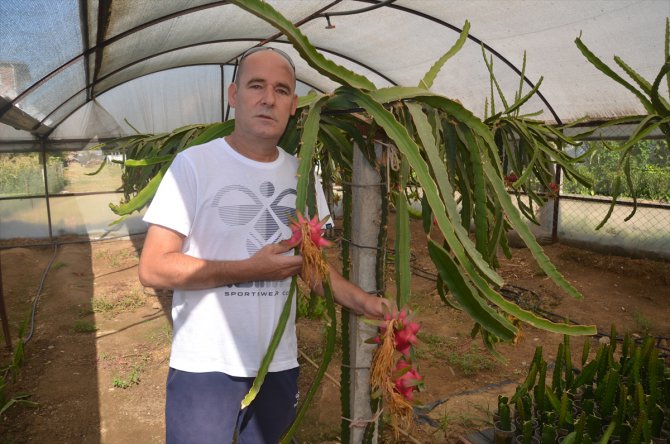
(519, 425)
(501, 436)
(519, 440)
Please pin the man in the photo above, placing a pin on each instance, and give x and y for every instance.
(216, 228)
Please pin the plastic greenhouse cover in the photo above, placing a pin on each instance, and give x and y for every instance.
(185, 100)
(48, 56)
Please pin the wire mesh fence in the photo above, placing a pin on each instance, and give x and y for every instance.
(645, 234)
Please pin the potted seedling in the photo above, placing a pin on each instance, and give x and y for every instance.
(527, 436)
(622, 395)
(503, 430)
(523, 413)
(549, 434)
(656, 428)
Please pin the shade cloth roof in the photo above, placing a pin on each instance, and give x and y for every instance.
(58, 55)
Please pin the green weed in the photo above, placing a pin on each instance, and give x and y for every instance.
(468, 421)
(440, 348)
(130, 301)
(486, 410)
(134, 299)
(433, 346)
(11, 370)
(444, 421)
(161, 335)
(433, 339)
(100, 305)
(134, 375)
(115, 258)
(471, 361)
(642, 322)
(83, 326)
(133, 378)
(58, 265)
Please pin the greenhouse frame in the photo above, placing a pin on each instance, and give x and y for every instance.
(76, 76)
(120, 67)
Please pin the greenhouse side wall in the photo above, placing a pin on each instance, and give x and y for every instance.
(645, 235)
(87, 216)
(77, 203)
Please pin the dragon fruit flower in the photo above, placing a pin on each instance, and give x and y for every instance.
(315, 230)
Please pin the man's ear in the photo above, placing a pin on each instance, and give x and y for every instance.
(232, 94)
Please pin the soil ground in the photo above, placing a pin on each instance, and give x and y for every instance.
(97, 357)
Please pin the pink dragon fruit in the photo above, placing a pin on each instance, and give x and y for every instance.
(404, 331)
(408, 380)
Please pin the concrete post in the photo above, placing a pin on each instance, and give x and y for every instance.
(366, 218)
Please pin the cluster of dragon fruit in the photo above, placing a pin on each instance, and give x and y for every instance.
(398, 381)
(406, 377)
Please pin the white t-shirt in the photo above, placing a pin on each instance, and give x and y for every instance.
(228, 207)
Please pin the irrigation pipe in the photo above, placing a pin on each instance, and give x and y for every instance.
(38, 294)
(422, 416)
(512, 292)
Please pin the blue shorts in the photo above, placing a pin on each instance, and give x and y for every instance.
(205, 408)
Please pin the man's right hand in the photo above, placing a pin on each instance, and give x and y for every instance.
(272, 264)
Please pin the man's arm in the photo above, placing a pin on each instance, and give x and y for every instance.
(163, 265)
(354, 298)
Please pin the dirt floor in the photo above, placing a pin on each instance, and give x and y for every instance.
(96, 359)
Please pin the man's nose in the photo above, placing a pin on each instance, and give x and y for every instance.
(269, 97)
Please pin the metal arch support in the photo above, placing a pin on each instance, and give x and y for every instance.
(511, 65)
(358, 11)
(231, 61)
(104, 16)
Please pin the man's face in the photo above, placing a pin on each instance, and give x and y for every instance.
(263, 96)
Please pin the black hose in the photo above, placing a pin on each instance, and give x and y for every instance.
(55, 245)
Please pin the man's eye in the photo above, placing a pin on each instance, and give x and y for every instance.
(283, 92)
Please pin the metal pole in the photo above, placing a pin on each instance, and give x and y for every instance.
(43, 144)
(366, 218)
(3, 314)
(557, 198)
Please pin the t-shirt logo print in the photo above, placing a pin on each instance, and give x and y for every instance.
(265, 213)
